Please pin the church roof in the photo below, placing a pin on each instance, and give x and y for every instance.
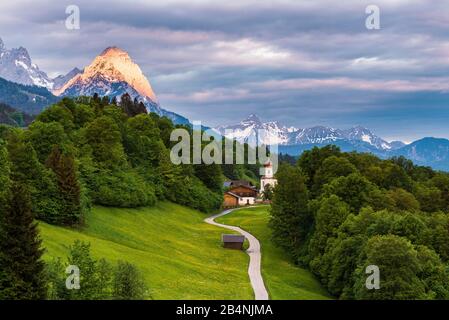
(268, 164)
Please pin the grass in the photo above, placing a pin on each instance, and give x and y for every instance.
(283, 279)
(180, 256)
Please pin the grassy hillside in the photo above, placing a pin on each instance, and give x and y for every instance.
(180, 255)
(283, 279)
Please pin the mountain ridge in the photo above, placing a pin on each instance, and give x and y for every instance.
(429, 151)
(275, 133)
(17, 66)
(30, 99)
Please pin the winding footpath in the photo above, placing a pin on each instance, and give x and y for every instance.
(254, 272)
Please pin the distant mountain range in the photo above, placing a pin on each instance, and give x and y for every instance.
(274, 133)
(431, 152)
(25, 87)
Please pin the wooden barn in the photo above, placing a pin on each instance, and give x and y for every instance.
(230, 200)
(233, 241)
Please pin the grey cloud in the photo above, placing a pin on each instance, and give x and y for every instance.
(193, 50)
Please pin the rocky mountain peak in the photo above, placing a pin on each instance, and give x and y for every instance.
(17, 66)
(114, 52)
(252, 118)
(111, 73)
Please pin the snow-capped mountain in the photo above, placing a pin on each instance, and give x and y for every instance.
(112, 69)
(61, 80)
(274, 133)
(318, 134)
(16, 66)
(362, 134)
(112, 74)
(253, 131)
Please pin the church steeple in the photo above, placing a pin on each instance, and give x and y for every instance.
(268, 170)
(267, 177)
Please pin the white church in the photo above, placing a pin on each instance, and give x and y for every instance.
(267, 177)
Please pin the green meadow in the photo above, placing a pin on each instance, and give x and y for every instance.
(283, 279)
(180, 256)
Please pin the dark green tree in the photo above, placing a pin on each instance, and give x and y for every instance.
(311, 160)
(81, 257)
(4, 173)
(22, 274)
(43, 136)
(69, 187)
(40, 181)
(399, 268)
(290, 218)
(128, 282)
(353, 189)
(331, 168)
(267, 193)
(331, 214)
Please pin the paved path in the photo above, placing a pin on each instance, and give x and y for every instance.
(255, 276)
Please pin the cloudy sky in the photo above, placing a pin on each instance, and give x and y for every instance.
(303, 63)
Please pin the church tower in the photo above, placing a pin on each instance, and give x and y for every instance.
(267, 177)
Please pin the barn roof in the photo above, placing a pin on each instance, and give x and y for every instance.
(232, 238)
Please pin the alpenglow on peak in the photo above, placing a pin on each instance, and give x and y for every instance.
(114, 51)
(113, 65)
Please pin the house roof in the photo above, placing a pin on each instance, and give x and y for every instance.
(232, 238)
(236, 183)
(232, 194)
(246, 187)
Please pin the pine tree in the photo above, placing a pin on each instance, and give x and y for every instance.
(26, 169)
(96, 97)
(141, 108)
(105, 101)
(21, 267)
(126, 103)
(64, 168)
